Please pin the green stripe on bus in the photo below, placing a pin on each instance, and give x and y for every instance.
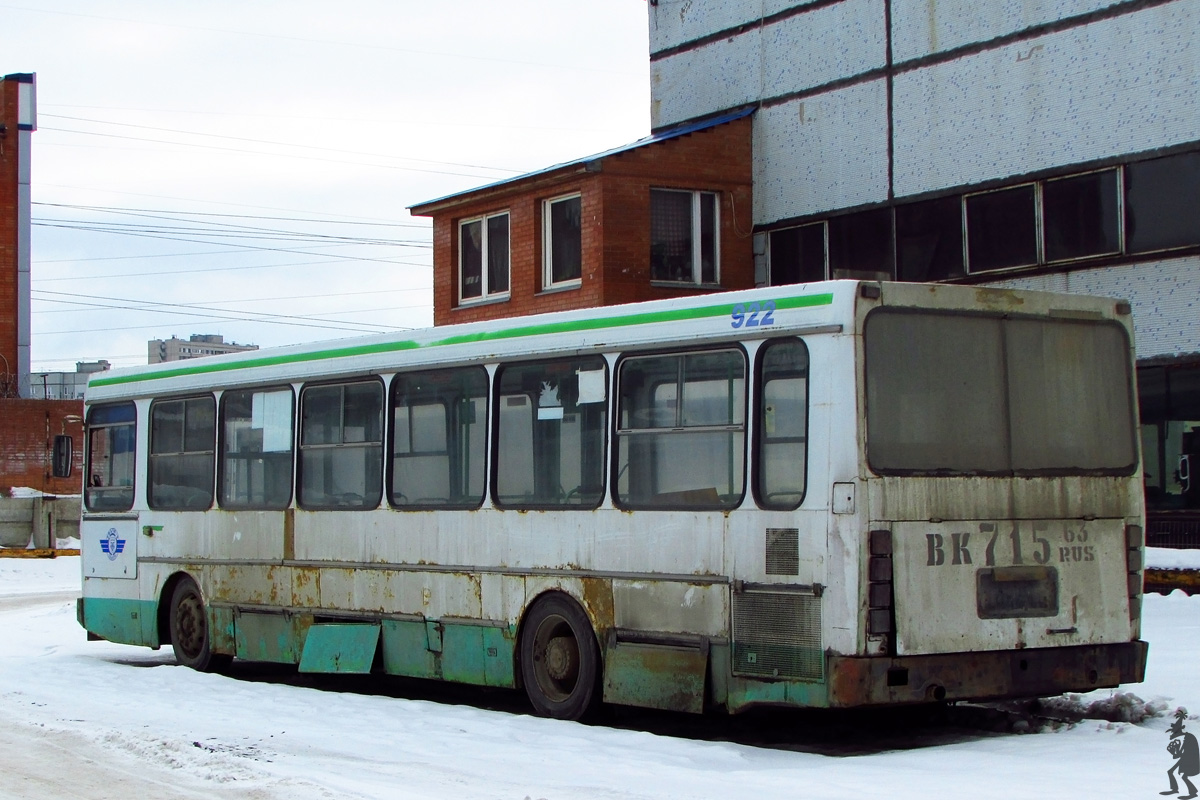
(520, 331)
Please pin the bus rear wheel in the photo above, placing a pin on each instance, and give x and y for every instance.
(189, 630)
(560, 660)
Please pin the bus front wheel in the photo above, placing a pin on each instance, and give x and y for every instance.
(560, 660)
(189, 630)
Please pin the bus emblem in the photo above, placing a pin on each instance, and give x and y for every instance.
(111, 545)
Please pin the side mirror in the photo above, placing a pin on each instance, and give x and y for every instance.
(64, 451)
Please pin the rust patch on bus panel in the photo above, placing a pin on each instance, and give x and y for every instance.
(998, 298)
(598, 601)
(289, 534)
(272, 574)
(305, 586)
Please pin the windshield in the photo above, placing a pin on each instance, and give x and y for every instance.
(975, 394)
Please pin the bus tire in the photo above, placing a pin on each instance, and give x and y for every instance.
(560, 659)
(190, 637)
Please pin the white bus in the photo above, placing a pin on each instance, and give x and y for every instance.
(835, 494)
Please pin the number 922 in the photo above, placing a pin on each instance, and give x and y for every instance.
(753, 315)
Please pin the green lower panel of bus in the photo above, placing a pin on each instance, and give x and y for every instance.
(473, 654)
(121, 621)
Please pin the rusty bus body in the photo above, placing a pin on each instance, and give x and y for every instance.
(833, 495)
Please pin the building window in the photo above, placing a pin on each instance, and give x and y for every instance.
(1002, 229)
(681, 431)
(550, 427)
(1080, 217)
(562, 245)
(256, 448)
(483, 258)
(439, 438)
(1161, 198)
(341, 445)
(860, 246)
(1169, 401)
(683, 236)
(112, 442)
(182, 447)
(929, 240)
(798, 254)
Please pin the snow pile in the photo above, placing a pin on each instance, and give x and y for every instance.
(1172, 558)
(1117, 707)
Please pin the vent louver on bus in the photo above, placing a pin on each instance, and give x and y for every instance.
(777, 634)
(783, 551)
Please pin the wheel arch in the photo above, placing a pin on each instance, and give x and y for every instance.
(163, 614)
(573, 597)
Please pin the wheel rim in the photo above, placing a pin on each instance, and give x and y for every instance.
(556, 658)
(190, 629)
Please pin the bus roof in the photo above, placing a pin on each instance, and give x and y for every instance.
(814, 307)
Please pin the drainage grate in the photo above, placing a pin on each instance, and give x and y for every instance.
(777, 635)
(783, 551)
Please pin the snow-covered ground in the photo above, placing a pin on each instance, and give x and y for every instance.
(98, 720)
(1170, 558)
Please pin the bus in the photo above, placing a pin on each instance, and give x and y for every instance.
(836, 495)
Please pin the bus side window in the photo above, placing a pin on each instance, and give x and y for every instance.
(256, 448)
(681, 437)
(111, 444)
(551, 421)
(439, 424)
(182, 447)
(341, 445)
(782, 443)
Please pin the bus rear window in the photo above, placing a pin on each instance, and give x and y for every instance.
(962, 394)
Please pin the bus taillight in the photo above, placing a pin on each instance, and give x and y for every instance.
(879, 588)
(1133, 563)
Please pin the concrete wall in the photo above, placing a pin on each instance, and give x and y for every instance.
(32, 521)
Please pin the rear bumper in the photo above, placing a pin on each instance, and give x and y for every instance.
(996, 675)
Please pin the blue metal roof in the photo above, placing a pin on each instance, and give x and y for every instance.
(654, 138)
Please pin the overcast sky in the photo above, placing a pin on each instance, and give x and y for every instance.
(206, 167)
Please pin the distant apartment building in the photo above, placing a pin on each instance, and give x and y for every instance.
(65, 385)
(197, 345)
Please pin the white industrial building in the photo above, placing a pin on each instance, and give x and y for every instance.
(1044, 144)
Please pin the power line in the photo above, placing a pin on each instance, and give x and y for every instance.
(108, 190)
(201, 241)
(406, 120)
(266, 299)
(277, 144)
(266, 153)
(217, 230)
(264, 317)
(174, 272)
(116, 209)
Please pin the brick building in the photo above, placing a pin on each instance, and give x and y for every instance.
(27, 426)
(663, 217)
